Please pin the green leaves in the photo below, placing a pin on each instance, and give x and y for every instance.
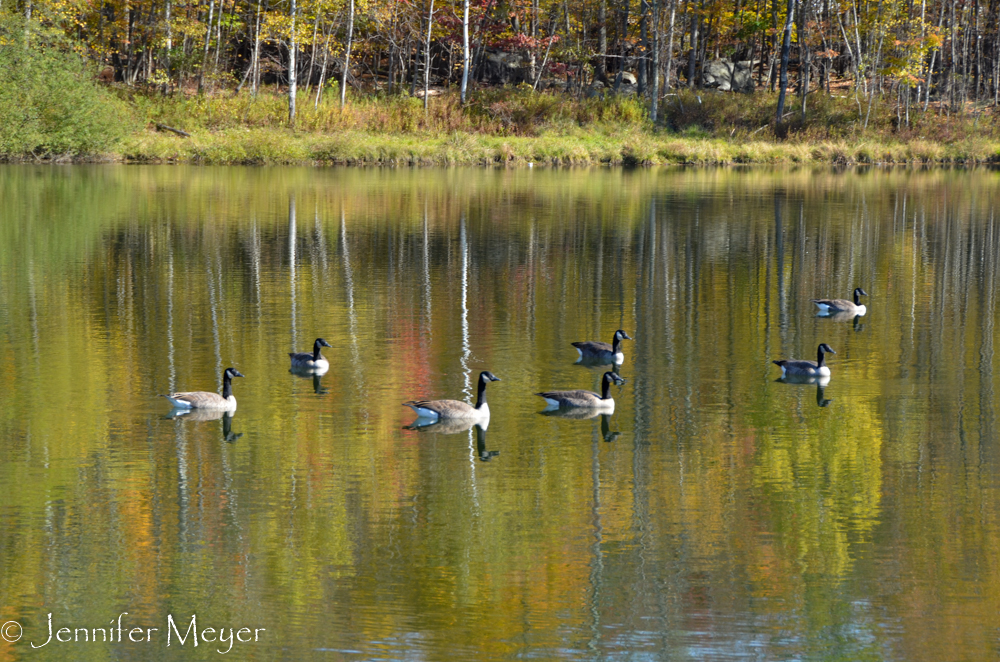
(50, 103)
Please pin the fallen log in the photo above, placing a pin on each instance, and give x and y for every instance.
(164, 127)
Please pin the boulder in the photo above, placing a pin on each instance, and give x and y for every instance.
(502, 68)
(628, 78)
(726, 75)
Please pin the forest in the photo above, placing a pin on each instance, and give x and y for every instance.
(862, 62)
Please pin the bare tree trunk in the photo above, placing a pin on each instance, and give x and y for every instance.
(930, 69)
(951, 61)
(256, 53)
(644, 40)
(218, 35)
(545, 60)
(208, 39)
(322, 72)
(427, 55)
(657, 40)
(602, 42)
(804, 60)
(774, 46)
(465, 50)
(347, 54)
(621, 67)
(670, 46)
(783, 75)
(312, 55)
(292, 47)
(169, 44)
(692, 58)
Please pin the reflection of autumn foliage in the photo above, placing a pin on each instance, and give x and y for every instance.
(729, 503)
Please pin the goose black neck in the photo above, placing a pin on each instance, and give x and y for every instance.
(481, 396)
(227, 386)
(606, 392)
(616, 344)
(819, 358)
(316, 348)
(857, 298)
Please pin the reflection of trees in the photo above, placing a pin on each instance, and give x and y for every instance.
(727, 493)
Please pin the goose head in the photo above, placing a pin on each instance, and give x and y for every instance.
(232, 372)
(610, 377)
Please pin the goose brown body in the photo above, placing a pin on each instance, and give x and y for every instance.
(207, 399)
(455, 409)
(583, 398)
(595, 350)
(831, 306)
(314, 361)
(803, 368)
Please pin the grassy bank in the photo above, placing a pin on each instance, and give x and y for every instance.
(518, 127)
(263, 146)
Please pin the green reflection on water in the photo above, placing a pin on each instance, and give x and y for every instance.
(716, 514)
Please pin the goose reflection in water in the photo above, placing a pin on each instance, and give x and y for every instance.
(820, 382)
(844, 316)
(209, 415)
(607, 433)
(484, 455)
(589, 362)
(316, 374)
(454, 426)
(446, 425)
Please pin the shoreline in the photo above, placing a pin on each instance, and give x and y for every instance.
(274, 146)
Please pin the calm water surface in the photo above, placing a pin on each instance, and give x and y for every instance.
(718, 514)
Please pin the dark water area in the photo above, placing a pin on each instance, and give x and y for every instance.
(718, 513)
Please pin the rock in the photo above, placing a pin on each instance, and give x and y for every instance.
(723, 74)
(628, 78)
(502, 68)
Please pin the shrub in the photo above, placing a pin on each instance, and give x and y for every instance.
(50, 103)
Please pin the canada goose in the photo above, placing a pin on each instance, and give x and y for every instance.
(314, 361)
(452, 409)
(206, 400)
(596, 351)
(831, 306)
(585, 399)
(793, 368)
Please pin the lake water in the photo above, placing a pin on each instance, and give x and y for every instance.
(718, 514)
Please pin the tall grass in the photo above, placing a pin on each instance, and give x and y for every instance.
(497, 126)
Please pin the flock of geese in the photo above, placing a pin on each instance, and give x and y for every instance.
(591, 352)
